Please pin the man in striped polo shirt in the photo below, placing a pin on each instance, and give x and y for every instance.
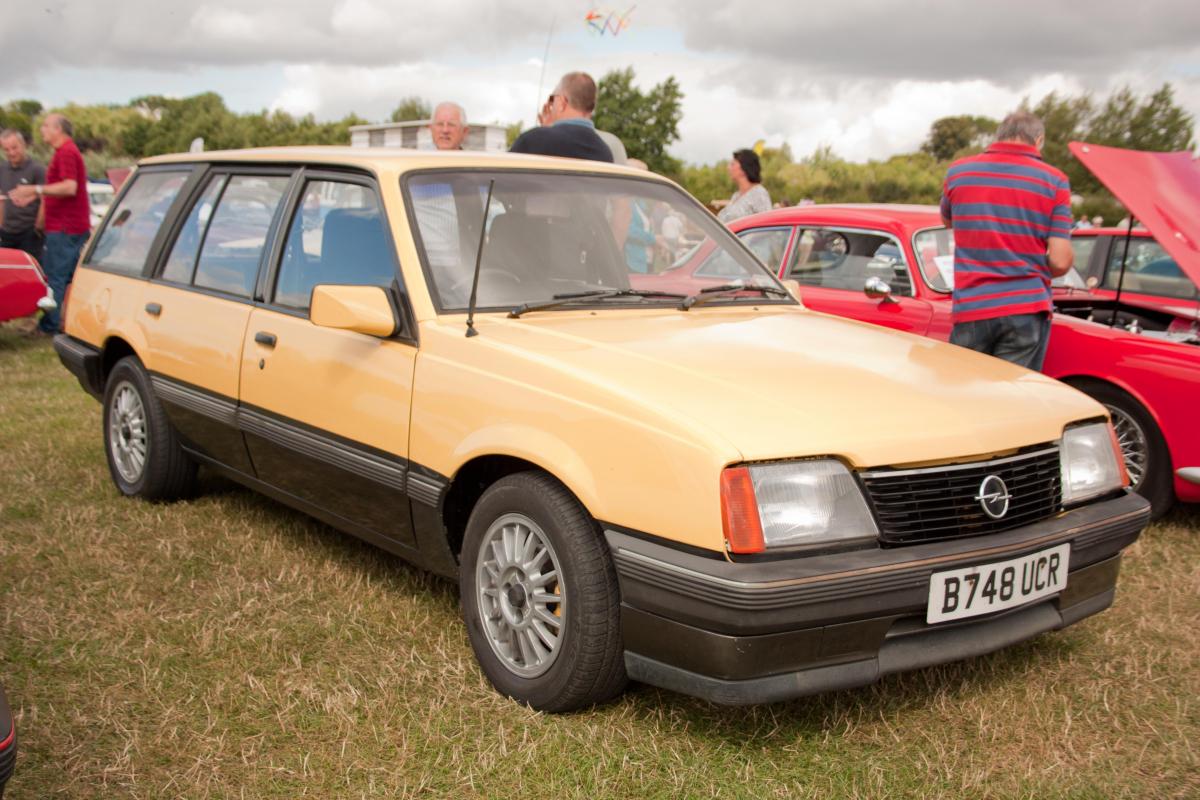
(1011, 214)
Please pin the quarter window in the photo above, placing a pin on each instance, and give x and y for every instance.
(236, 234)
(836, 259)
(126, 239)
(768, 244)
(182, 260)
(336, 236)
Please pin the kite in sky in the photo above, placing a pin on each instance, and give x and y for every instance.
(602, 21)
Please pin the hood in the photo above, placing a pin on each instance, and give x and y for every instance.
(1161, 190)
(788, 382)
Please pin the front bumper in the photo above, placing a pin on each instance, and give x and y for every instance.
(742, 633)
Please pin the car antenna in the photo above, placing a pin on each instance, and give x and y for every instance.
(487, 204)
(1121, 277)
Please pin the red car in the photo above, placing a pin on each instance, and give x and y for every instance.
(892, 265)
(22, 285)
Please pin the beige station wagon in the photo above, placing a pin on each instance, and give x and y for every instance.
(463, 359)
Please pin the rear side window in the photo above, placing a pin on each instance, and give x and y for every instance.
(182, 261)
(336, 236)
(237, 233)
(125, 241)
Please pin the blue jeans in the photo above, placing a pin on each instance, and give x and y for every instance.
(62, 253)
(1021, 338)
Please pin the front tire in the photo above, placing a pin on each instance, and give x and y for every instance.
(540, 598)
(144, 456)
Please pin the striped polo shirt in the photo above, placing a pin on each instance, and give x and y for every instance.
(1005, 205)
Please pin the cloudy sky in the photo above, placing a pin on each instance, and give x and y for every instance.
(863, 76)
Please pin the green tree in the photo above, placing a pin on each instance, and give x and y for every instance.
(511, 133)
(20, 116)
(411, 109)
(951, 136)
(647, 123)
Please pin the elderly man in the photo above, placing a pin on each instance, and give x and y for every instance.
(567, 128)
(448, 126)
(1011, 214)
(20, 226)
(66, 211)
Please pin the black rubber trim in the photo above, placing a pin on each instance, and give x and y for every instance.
(390, 472)
(426, 486)
(359, 459)
(82, 360)
(816, 668)
(737, 598)
(206, 404)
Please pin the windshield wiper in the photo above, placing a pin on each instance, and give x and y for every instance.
(713, 292)
(595, 294)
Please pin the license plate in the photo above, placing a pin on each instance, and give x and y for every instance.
(971, 591)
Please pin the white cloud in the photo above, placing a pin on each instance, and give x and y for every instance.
(866, 77)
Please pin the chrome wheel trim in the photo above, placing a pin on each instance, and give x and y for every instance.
(127, 436)
(522, 604)
(1135, 448)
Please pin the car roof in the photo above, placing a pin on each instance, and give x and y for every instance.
(895, 217)
(395, 159)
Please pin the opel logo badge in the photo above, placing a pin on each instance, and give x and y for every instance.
(993, 497)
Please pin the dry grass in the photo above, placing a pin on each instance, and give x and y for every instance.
(228, 647)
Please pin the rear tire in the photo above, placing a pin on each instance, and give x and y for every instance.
(144, 456)
(1146, 457)
(540, 598)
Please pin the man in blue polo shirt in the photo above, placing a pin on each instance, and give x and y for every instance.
(1011, 214)
(567, 128)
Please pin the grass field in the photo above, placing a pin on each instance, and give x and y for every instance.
(229, 647)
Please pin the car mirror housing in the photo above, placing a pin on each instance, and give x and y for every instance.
(877, 288)
(364, 309)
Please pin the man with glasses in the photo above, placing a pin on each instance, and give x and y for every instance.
(567, 128)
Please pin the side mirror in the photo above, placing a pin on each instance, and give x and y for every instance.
(363, 309)
(877, 288)
(793, 286)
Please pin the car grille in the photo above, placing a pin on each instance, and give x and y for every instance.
(923, 505)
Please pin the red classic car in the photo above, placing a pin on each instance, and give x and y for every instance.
(892, 265)
(22, 285)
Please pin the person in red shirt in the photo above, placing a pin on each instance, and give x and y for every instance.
(67, 212)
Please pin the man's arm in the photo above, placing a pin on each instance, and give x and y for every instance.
(1060, 256)
(24, 195)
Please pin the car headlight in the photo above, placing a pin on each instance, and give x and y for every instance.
(1091, 462)
(788, 504)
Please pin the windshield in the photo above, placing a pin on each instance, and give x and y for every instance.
(553, 234)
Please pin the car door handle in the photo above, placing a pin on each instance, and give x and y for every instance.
(265, 339)
(153, 309)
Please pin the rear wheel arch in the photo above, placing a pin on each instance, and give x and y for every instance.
(115, 348)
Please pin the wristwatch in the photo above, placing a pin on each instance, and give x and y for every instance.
(38, 186)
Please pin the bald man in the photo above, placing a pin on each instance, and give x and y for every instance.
(67, 213)
(448, 126)
(567, 129)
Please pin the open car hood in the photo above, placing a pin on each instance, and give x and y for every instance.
(1161, 190)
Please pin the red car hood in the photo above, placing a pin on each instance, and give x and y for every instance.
(1162, 190)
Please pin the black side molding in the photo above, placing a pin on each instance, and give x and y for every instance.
(81, 360)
